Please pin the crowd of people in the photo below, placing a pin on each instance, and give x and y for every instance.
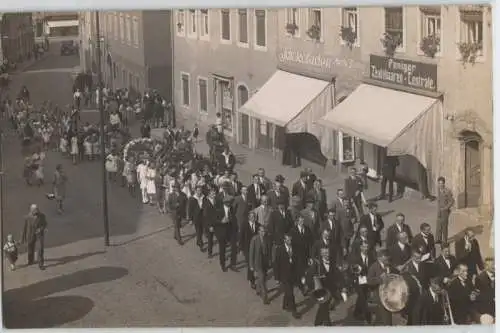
(327, 248)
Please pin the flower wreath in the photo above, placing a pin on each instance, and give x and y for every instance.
(138, 141)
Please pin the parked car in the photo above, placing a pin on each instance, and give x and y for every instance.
(69, 48)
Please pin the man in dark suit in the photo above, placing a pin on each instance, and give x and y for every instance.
(255, 192)
(361, 238)
(445, 264)
(391, 237)
(468, 252)
(195, 214)
(376, 274)
(227, 161)
(318, 193)
(223, 232)
(300, 188)
(280, 183)
(424, 241)
(312, 218)
(336, 236)
(400, 252)
(373, 223)
(280, 223)
(211, 214)
(302, 241)
(388, 176)
(260, 260)
(177, 205)
(346, 218)
(363, 260)
(485, 283)
(428, 309)
(248, 230)
(241, 207)
(277, 194)
(235, 184)
(461, 296)
(35, 226)
(353, 186)
(322, 244)
(338, 203)
(263, 180)
(419, 269)
(286, 273)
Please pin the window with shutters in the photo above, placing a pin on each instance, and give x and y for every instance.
(203, 94)
(180, 24)
(351, 23)
(204, 24)
(293, 21)
(471, 28)
(225, 25)
(185, 89)
(192, 22)
(260, 25)
(394, 23)
(243, 27)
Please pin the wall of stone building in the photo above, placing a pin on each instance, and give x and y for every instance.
(199, 58)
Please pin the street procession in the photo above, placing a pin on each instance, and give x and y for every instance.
(328, 249)
(131, 197)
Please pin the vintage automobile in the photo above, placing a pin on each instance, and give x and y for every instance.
(69, 47)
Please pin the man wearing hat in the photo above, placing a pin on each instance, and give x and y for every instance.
(375, 277)
(177, 203)
(301, 188)
(223, 230)
(312, 218)
(279, 192)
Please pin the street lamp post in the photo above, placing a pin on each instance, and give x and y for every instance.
(105, 214)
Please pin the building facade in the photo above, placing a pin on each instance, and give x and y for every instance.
(137, 50)
(16, 32)
(357, 83)
(221, 58)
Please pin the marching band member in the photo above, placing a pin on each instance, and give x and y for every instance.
(260, 261)
(373, 223)
(255, 192)
(195, 214)
(461, 295)
(485, 284)
(223, 228)
(400, 252)
(445, 263)
(177, 206)
(362, 261)
(424, 241)
(248, 231)
(211, 209)
(468, 252)
(430, 307)
(393, 231)
(302, 241)
(376, 275)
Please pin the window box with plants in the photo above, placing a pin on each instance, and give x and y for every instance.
(430, 45)
(291, 28)
(390, 43)
(348, 35)
(469, 51)
(314, 32)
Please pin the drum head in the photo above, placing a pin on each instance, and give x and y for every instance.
(394, 293)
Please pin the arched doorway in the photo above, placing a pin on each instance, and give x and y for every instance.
(472, 170)
(242, 99)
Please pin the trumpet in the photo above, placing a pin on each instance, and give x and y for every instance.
(448, 313)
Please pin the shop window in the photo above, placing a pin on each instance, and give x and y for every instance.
(350, 20)
(204, 24)
(203, 91)
(348, 147)
(243, 26)
(394, 25)
(260, 28)
(471, 28)
(225, 24)
(180, 22)
(192, 23)
(293, 21)
(430, 22)
(185, 89)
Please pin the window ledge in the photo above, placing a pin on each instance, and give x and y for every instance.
(344, 43)
(260, 48)
(226, 41)
(479, 59)
(193, 36)
(243, 45)
(422, 54)
(205, 38)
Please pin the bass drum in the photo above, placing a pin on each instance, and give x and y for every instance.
(398, 292)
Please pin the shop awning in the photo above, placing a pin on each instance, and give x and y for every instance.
(283, 97)
(377, 115)
(60, 24)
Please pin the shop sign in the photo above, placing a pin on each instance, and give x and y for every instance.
(289, 56)
(406, 73)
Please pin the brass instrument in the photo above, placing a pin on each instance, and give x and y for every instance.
(448, 314)
(403, 266)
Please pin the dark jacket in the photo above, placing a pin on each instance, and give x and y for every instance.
(241, 210)
(485, 302)
(301, 191)
(391, 236)
(246, 236)
(286, 265)
(472, 258)
(461, 304)
(260, 254)
(427, 311)
(399, 256)
(320, 204)
(419, 243)
(274, 198)
(441, 268)
(375, 235)
(211, 212)
(177, 203)
(34, 227)
(279, 225)
(252, 195)
(352, 185)
(302, 244)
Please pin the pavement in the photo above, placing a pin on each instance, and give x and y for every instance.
(144, 279)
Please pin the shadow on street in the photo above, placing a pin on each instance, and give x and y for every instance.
(29, 307)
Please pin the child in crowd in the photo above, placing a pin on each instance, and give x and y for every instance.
(11, 251)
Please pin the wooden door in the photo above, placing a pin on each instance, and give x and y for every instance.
(245, 132)
(472, 173)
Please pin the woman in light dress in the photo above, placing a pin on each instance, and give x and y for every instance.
(63, 144)
(96, 148)
(129, 175)
(74, 148)
(87, 146)
(151, 182)
(38, 159)
(141, 170)
(46, 135)
(112, 166)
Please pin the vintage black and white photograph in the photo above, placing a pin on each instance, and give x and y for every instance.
(247, 167)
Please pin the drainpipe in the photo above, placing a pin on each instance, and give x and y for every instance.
(172, 46)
